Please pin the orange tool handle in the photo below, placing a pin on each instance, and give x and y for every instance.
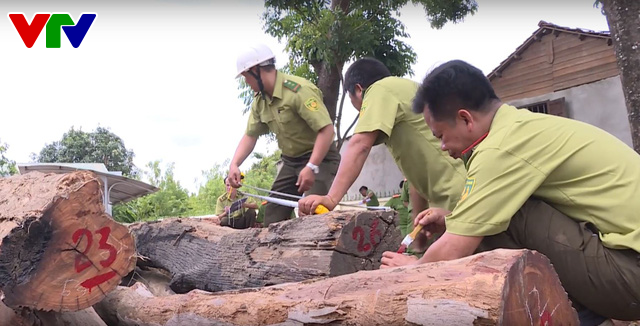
(321, 210)
(415, 231)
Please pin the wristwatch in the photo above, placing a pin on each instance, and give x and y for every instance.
(313, 168)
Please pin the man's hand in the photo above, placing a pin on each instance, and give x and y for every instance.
(234, 176)
(305, 180)
(394, 259)
(307, 205)
(432, 220)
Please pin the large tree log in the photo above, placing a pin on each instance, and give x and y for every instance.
(501, 287)
(59, 250)
(201, 255)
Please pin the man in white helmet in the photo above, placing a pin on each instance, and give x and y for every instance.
(290, 107)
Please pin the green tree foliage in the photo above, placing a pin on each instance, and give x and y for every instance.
(204, 203)
(263, 172)
(7, 166)
(99, 146)
(171, 200)
(322, 35)
(174, 201)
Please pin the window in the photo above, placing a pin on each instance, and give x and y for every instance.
(554, 107)
(537, 107)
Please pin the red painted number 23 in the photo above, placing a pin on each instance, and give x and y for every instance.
(82, 262)
(359, 234)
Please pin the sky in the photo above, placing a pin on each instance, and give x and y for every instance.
(160, 74)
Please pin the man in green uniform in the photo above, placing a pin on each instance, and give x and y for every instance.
(290, 107)
(369, 198)
(562, 187)
(243, 215)
(384, 103)
(404, 195)
(396, 203)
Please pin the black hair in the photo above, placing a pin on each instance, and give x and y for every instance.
(452, 86)
(225, 180)
(365, 72)
(401, 184)
(363, 188)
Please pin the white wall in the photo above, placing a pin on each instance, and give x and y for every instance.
(380, 173)
(600, 104)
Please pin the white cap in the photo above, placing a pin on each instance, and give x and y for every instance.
(258, 54)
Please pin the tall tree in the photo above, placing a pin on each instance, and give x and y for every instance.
(99, 146)
(7, 166)
(322, 35)
(624, 23)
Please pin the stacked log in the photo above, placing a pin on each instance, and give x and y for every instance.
(201, 255)
(60, 254)
(501, 287)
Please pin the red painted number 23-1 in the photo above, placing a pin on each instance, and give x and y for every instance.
(82, 262)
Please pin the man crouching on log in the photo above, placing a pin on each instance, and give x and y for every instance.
(562, 187)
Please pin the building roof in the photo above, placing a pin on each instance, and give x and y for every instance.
(121, 189)
(545, 28)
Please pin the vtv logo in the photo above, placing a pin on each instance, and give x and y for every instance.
(30, 32)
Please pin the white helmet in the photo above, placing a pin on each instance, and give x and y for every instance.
(258, 54)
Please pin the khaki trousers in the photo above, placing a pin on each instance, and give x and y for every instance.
(604, 280)
(247, 220)
(288, 176)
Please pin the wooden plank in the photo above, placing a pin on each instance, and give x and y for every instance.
(523, 92)
(526, 73)
(587, 77)
(563, 44)
(528, 82)
(526, 94)
(591, 66)
(570, 61)
(565, 56)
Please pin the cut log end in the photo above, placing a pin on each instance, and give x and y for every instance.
(67, 254)
(533, 294)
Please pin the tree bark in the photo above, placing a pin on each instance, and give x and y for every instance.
(200, 255)
(329, 84)
(59, 250)
(624, 24)
(501, 287)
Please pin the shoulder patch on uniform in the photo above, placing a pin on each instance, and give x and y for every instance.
(468, 188)
(363, 107)
(311, 104)
(295, 87)
(396, 196)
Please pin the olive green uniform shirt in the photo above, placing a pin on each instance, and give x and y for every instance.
(580, 170)
(294, 114)
(397, 204)
(373, 199)
(225, 201)
(386, 106)
(405, 195)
